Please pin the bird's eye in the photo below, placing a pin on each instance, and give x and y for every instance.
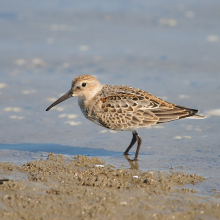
(84, 84)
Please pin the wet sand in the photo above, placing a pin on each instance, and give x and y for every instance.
(86, 188)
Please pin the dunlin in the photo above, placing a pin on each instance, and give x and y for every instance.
(122, 108)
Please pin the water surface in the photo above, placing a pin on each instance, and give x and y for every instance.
(169, 49)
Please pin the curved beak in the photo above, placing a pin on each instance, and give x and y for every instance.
(61, 99)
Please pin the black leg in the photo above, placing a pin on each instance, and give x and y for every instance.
(134, 139)
(138, 146)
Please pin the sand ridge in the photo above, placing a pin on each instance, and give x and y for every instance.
(87, 188)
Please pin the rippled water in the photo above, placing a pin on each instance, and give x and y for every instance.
(166, 48)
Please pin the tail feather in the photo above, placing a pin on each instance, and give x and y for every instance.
(191, 113)
(166, 114)
(196, 117)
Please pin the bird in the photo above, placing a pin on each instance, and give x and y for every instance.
(123, 108)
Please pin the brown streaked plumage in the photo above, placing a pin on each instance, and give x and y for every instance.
(123, 108)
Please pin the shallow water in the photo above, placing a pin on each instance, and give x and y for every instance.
(166, 48)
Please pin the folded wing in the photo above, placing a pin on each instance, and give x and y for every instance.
(124, 110)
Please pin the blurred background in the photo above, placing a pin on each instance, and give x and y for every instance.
(169, 48)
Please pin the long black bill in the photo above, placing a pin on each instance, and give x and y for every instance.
(61, 99)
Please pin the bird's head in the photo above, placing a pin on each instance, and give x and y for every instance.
(83, 86)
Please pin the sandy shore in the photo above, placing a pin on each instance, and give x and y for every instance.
(84, 188)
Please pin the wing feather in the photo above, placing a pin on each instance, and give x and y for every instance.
(128, 108)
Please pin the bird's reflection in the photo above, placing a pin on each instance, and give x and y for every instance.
(133, 163)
